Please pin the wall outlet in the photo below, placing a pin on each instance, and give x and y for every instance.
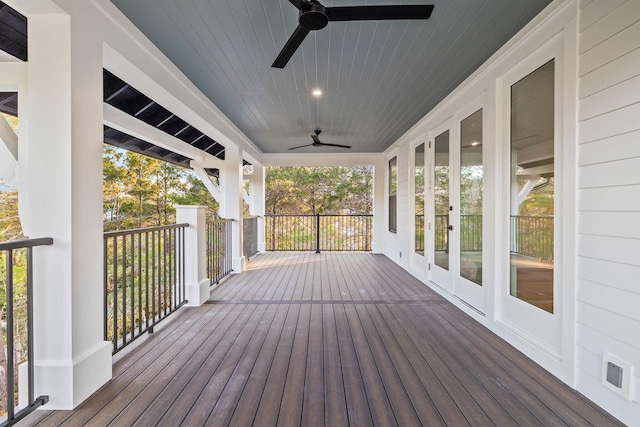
(617, 375)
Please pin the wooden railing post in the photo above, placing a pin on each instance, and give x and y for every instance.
(196, 281)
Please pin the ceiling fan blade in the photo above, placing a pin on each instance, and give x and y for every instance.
(290, 47)
(302, 146)
(335, 145)
(316, 139)
(371, 13)
(299, 3)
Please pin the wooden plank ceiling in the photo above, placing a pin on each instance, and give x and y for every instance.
(378, 77)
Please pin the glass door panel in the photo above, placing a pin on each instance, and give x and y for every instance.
(532, 188)
(441, 201)
(419, 198)
(470, 227)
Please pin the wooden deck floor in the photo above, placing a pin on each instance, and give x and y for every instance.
(344, 339)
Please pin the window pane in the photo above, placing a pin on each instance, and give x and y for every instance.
(419, 190)
(532, 188)
(441, 200)
(393, 189)
(471, 198)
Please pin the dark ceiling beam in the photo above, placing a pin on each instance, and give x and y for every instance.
(13, 32)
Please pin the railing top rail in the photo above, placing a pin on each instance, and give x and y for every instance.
(143, 230)
(218, 221)
(25, 243)
(314, 215)
(532, 216)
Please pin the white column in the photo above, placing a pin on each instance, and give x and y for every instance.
(231, 182)
(380, 213)
(256, 193)
(195, 253)
(63, 172)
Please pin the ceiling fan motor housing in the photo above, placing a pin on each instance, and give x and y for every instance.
(313, 17)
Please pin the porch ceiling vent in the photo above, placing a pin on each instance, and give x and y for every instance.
(13, 32)
(125, 97)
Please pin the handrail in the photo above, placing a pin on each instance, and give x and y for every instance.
(25, 243)
(143, 230)
(33, 403)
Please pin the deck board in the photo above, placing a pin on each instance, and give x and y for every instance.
(335, 339)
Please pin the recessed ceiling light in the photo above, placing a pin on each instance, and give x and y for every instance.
(316, 92)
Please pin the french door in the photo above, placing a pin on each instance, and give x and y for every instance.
(457, 224)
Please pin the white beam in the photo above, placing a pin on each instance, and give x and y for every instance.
(27, 7)
(9, 138)
(211, 187)
(130, 125)
(538, 170)
(210, 162)
(526, 190)
(12, 74)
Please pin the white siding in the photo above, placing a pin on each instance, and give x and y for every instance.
(608, 268)
(601, 279)
(398, 245)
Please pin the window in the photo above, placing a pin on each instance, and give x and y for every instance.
(471, 198)
(419, 198)
(393, 195)
(532, 188)
(441, 200)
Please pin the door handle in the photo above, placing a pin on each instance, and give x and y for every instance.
(450, 227)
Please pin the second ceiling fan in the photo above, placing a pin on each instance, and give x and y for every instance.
(318, 143)
(314, 16)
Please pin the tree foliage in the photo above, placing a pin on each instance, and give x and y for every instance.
(319, 190)
(139, 191)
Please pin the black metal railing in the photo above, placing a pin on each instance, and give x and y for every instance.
(419, 237)
(470, 233)
(318, 232)
(532, 236)
(144, 280)
(16, 282)
(441, 234)
(250, 236)
(219, 254)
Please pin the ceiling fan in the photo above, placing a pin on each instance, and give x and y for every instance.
(318, 143)
(314, 16)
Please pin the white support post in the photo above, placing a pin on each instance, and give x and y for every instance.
(63, 174)
(380, 214)
(256, 205)
(231, 183)
(195, 253)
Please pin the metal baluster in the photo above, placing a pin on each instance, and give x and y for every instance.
(10, 350)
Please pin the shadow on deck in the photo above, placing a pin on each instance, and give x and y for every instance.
(331, 339)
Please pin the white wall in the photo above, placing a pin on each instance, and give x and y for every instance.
(599, 52)
(609, 197)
